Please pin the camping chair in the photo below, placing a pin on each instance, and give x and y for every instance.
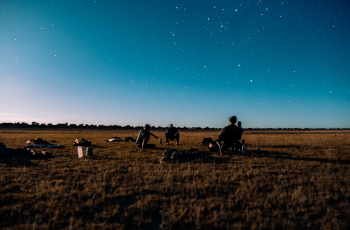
(222, 147)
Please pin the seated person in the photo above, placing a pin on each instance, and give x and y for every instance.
(172, 134)
(143, 138)
(239, 125)
(230, 135)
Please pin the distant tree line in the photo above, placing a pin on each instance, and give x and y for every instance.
(112, 127)
(81, 126)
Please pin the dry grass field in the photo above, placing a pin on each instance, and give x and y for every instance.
(300, 180)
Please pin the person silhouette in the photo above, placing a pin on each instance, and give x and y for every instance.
(172, 134)
(229, 135)
(143, 138)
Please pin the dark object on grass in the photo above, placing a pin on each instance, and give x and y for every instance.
(37, 141)
(43, 146)
(174, 155)
(89, 152)
(4, 152)
(129, 139)
(114, 139)
(28, 152)
(83, 142)
(206, 141)
(40, 143)
(213, 146)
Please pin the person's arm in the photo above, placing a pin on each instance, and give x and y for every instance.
(221, 134)
(240, 134)
(154, 135)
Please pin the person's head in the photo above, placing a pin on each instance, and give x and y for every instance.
(239, 124)
(146, 127)
(232, 120)
(171, 126)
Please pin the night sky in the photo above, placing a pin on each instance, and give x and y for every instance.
(278, 64)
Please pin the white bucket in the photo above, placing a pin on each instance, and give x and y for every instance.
(80, 151)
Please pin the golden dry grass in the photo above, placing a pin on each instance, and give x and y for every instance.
(300, 180)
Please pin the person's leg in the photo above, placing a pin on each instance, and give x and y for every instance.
(167, 138)
(177, 137)
(144, 144)
(171, 137)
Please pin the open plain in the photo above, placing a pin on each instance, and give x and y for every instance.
(299, 180)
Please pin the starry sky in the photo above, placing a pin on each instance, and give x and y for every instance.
(273, 64)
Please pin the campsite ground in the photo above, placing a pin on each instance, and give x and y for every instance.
(300, 180)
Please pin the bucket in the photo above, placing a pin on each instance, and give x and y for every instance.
(88, 151)
(80, 151)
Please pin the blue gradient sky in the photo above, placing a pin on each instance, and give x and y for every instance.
(191, 63)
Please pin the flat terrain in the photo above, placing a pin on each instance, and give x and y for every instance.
(299, 180)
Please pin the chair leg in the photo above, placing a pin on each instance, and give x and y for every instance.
(219, 147)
